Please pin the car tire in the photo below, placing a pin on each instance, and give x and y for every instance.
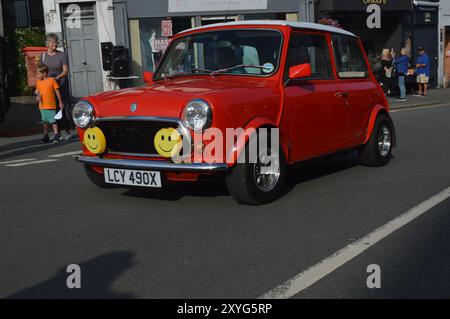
(97, 178)
(378, 149)
(242, 181)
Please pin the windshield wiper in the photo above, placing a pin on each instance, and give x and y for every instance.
(199, 70)
(240, 66)
(188, 71)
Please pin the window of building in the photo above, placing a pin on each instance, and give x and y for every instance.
(21, 13)
(265, 16)
(155, 34)
(350, 62)
(312, 49)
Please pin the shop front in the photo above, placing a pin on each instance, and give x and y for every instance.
(153, 23)
(389, 24)
(140, 30)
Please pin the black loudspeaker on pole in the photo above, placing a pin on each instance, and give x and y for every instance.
(120, 62)
(107, 57)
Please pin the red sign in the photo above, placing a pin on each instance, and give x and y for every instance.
(161, 44)
(166, 28)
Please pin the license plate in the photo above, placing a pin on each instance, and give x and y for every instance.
(132, 177)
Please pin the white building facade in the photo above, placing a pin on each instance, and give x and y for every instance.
(81, 25)
(144, 28)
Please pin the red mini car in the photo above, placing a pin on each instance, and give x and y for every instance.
(240, 101)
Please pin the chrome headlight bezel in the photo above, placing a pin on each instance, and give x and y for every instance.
(83, 114)
(197, 115)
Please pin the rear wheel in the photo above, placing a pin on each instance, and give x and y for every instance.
(258, 181)
(97, 178)
(378, 149)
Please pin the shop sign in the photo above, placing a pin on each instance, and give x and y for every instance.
(161, 44)
(166, 28)
(215, 5)
(361, 5)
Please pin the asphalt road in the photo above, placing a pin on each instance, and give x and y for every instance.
(195, 241)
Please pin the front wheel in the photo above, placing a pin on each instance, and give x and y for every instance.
(378, 149)
(258, 181)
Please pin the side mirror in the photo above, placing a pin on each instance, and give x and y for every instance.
(148, 77)
(300, 71)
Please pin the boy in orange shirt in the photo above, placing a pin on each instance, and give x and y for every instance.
(46, 89)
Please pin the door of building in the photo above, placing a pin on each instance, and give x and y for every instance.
(447, 57)
(427, 37)
(82, 47)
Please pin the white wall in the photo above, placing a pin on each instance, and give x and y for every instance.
(444, 21)
(105, 24)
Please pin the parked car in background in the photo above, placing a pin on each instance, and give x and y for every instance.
(299, 90)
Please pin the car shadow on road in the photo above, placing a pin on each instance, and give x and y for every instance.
(176, 191)
(316, 168)
(97, 277)
(31, 146)
(297, 174)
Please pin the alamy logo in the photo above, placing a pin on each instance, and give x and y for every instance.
(374, 19)
(374, 279)
(73, 20)
(74, 279)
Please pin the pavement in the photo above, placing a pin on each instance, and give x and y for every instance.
(436, 96)
(194, 241)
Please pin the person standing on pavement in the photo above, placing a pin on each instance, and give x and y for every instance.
(401, 65)
(385, 74)
(46, 90)
(56, 61)
(423, 72)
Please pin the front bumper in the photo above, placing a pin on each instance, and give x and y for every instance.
(152, 165)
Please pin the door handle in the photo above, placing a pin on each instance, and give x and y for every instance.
(84, 63)
(342, 94)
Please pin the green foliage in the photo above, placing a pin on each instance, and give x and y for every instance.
(18, 39)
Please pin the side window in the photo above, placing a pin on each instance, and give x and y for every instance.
(350, 62)
(313, 49)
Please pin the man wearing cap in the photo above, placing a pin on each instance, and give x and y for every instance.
(423, 71)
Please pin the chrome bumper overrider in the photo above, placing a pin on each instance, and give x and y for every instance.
(151, 165)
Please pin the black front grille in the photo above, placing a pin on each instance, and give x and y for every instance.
(132, 136)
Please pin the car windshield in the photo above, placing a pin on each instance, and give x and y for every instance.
(241, 52)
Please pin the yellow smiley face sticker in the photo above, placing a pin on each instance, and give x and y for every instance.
(94, 140)
(168, 142)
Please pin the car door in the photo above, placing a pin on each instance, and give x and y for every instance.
(318, 115)
(355, 84)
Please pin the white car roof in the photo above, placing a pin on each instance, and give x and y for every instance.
(298, 25)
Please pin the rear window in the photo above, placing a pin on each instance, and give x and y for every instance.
(350, 62)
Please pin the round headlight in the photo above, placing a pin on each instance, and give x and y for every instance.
(197, 115)
(83, 114)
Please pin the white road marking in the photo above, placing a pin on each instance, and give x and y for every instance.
(314, 273)
(418, 108)
(66, 154)
(22, 149)
(18, 161)
(32, 163)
